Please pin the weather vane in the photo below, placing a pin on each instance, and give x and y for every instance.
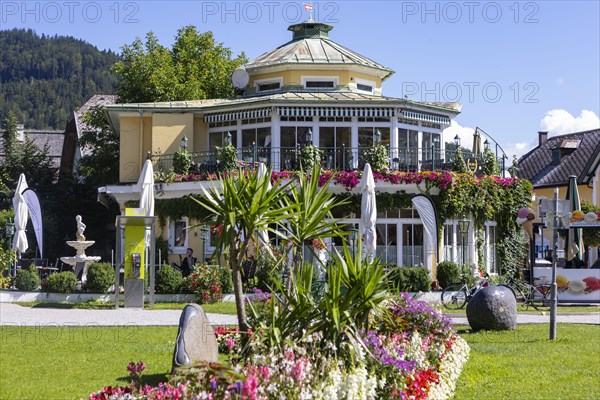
(309, 7)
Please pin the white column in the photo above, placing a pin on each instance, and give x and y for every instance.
(315, 131)
(354, 142)
(420, 145)
(394, 142)
(275, 141)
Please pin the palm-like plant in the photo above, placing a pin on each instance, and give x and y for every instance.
(308, 214)
(242, 205)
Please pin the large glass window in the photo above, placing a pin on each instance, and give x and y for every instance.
(412, 245)
(366, 136)
(387, 243)
(256, 144)
(292, 139)
(178, 235)
(450, 250)
(408, 149)
(335, 143)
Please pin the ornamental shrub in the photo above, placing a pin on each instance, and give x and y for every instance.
(226, 281)
(489, 163)
(63, 282)
(27, 279)
(227, 158)
(100, 277)
(377, 156)
(168, 280)
(447, 273)
(411, 279)
(310, 155)
(205, 283)
(182, 161)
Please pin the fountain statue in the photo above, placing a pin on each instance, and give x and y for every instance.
(80, 261)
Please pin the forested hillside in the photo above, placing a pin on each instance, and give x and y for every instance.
(43, 79)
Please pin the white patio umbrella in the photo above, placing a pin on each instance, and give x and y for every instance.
(146, 187)
(262, 171)
(368, 207)
(21, 215)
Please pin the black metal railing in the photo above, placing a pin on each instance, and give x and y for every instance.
(333, 158)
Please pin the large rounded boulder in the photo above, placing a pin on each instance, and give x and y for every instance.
(492, 308)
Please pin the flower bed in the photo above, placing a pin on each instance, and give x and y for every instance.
(410, 353)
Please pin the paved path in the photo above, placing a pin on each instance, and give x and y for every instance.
(13, 314)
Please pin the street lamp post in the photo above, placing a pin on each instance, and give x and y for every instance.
(204, 236)
(463, 229)
(376, 137)
(184, 142)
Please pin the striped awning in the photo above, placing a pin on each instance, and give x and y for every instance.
(335, 112)
(417, 116)
(240, 114)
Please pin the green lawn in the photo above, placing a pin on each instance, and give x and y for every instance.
(523, 364)
(70, 363)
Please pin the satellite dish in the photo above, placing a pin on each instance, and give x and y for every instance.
(240, 78)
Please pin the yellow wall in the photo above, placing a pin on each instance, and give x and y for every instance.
(598, 186)
(294, 77)
(200, 134)
(585, 193)
(129, 147)
(168, 129)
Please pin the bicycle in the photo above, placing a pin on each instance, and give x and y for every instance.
(537, 296)
(456, 295)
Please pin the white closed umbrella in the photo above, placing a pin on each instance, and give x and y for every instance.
(368, 207)
(262, 171)
(21, 215)
(146, 187)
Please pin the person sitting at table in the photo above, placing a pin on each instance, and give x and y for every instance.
(188, 262)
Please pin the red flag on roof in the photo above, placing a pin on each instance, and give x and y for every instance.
(308, 7)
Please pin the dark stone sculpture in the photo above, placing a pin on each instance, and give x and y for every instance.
(196, 340)
(492, 308)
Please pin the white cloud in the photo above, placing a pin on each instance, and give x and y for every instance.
(465, 134)
(559, 122)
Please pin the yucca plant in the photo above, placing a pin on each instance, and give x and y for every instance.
(308, 214)
(243, 204)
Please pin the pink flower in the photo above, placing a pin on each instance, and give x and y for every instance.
(230, 343)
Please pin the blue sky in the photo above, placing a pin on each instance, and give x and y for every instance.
(517, 66)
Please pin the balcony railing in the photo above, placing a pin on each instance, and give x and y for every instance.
(334, 158)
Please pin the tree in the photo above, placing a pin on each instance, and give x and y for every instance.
(242, 205)
(459, 162)
(197, 67)
(100, 166)
(489, 163)
(309, 214)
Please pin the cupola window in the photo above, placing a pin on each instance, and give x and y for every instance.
(320, 82)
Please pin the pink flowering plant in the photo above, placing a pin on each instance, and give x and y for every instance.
(205, 283)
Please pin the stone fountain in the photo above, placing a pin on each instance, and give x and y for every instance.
(80, 245)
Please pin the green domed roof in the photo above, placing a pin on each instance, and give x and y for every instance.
(311, 45)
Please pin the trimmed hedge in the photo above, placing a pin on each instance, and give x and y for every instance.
(27, 280)
(447, 273)
(168, 280)
(64, 282)
(100, 277)
(411, 279)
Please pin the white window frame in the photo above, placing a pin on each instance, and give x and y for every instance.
(358, 81)
(266, 82)
(309, 78)
(179, 249)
